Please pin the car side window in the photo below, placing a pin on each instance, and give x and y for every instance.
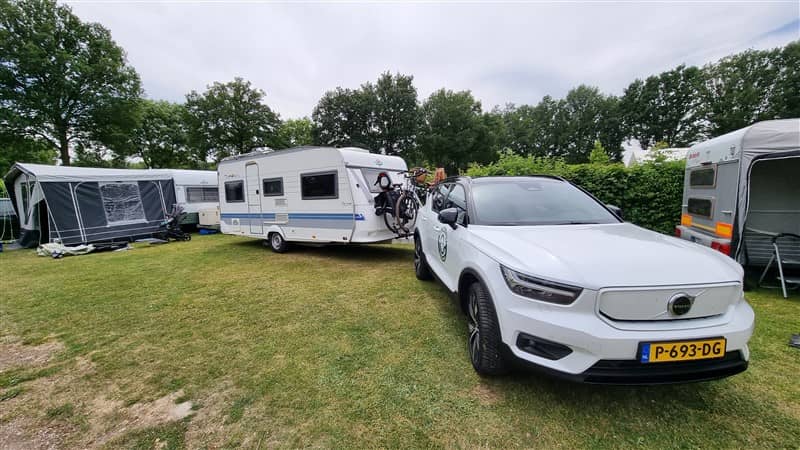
(457, 198)
(439, 196)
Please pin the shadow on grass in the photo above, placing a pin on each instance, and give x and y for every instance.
(348, 252)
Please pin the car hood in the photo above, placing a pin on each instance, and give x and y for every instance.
(603, 255)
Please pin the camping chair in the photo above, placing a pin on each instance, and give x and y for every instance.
(776, 256)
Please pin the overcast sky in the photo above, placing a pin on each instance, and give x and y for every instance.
(504, 52)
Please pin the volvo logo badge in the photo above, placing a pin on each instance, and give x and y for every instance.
(680, 304)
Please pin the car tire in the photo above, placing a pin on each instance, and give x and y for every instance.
(277, 243)
(486, 350)
(421, 269)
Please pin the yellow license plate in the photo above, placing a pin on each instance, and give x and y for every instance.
(655, 352)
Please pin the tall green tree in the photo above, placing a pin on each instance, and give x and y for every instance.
(295, 133)
(396, 114)
(454, 132)
(786, 98)
(667, 107)
(740, 89)
(230, 119)
(382, 117)
(20, 149)
(63, 82)
(161, 138)
(584, 116)
(342, 117)
(531, 130)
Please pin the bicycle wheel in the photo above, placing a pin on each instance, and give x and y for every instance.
(389, 220)
(406, 212)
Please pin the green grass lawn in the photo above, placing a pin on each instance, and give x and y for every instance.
(328, 347)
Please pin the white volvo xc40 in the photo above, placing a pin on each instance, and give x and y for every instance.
(550, 276)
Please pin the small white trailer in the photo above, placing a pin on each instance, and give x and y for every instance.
(314, 195)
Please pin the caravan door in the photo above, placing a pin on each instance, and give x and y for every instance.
(254, 199)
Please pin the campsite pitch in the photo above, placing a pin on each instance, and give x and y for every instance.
(219, 343)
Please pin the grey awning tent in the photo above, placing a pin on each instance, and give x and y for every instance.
(79, 205)
(771, 139)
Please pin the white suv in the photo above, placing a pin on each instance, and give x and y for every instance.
(549, 275)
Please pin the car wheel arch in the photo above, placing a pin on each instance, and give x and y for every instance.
(467, 277)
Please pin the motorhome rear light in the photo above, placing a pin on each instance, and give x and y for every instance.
(686, 220)
(722, 248)
(724, 229)
(677, 232)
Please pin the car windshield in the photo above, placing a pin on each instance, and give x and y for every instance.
(535, 201)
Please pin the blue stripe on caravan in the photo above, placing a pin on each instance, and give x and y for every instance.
(309, 216)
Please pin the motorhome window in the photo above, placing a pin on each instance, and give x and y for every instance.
(234, 191)
(371, 176)
(705, 177)
(122, 203)
(273, 187)
(702, 207)
(202, 194)
(319, 186)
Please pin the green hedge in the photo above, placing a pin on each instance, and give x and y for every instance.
(650, 194)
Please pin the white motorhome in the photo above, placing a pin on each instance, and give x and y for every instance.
(316, 195)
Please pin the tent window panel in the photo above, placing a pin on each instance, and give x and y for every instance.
(315, 186)
(234, 191)
(702, 207)
(273, 187)
(202, 194)
(122, 203)
(703, 178)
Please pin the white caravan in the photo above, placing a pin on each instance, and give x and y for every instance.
(195, 191)
(316, 195)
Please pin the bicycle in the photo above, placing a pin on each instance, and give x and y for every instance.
(401, 201)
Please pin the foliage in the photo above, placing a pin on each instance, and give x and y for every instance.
(650, 193)
(666, 107)
(230, 119)
(161, 137)
(599, 155)
(454, 132)
(62, 81)
(295, 133)
(20, 149)
(381, 117)
(566, 128)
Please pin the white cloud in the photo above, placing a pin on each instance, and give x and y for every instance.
(503, 52)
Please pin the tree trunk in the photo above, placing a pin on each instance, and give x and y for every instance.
(64, 148)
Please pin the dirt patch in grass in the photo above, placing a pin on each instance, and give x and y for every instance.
(486, 395)
(23, 434)
(110, 419)
(14, 354)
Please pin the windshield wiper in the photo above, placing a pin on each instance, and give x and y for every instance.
(577, 222)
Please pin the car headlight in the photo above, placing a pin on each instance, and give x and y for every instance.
(538, 289)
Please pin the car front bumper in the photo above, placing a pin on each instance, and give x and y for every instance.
(605, 351)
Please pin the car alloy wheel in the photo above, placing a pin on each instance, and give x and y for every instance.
(474, 328)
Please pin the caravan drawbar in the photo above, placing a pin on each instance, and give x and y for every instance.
(313, 195)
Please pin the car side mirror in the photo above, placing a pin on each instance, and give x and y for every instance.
(616, 210)
(449, 216)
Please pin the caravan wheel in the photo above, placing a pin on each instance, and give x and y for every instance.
(277, 243)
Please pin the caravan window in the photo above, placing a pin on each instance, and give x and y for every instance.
(371, 177)
(314, 186)
(234, 191)
(202, 194)
(273, 187)
(705, 177)
(702, 207)
(122, 203)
